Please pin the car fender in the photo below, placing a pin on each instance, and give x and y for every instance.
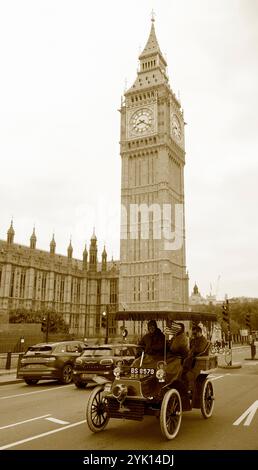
(100, 380)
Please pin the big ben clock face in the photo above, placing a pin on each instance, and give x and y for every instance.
(176, 128)
(141, 122)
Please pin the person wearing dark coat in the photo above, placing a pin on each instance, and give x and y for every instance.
(153, 341)
(178, 350)
(153, 344)
(199, 346)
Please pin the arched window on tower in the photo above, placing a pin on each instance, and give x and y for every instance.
(113, 291)
(134, 291)
(139, 289)
(72, 290)
(62, 289)
(148, 290)
(34, 286)
(1, 270)
(54, 289)
(22, 283)
(78, 291)
(12, 284)
(43, 286)
(153, 288)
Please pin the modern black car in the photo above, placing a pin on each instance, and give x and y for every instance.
(50, 361)
(100, 361)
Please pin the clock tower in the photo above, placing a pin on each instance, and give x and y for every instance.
(152, 247)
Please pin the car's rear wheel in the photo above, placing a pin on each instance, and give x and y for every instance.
(171, 414)
(67, 374)
(207, 399)
(97, 415)
(31, 381)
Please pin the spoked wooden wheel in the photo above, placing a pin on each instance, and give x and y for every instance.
(207, 399)
(96, 412)
(171, 414)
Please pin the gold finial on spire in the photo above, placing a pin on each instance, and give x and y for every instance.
(153, 15)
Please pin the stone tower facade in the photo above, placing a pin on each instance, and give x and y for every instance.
(152, 248)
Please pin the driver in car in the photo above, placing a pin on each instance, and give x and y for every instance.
(153, 344)
(153, 341)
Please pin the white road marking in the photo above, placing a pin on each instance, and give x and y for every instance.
(22, 422)
(37, 391)
(38, 436)
(248, 414)
(58, 421)
(215, 377)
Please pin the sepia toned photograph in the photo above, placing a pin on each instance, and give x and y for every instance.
(128, 230)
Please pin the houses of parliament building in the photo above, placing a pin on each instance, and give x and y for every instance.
(149, 275)
(36, 280)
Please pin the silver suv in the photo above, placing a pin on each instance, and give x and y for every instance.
(48, 361)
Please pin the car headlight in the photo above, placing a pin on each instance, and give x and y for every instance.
(161, 372)
(117, 372)
(120, 392)
(78, 360)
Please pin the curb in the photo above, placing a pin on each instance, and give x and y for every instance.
(236, 365)
(8, 372)
(10, 382)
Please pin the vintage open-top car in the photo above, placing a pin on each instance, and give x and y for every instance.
(139, 391)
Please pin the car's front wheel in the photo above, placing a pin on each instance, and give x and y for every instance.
(171, 414)
(31, 381)
(97, 415)
(67, 374)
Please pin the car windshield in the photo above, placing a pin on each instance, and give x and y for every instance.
(98, 352)
(43, 348)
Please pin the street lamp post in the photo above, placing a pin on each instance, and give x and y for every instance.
(47, 327)
(104, 322)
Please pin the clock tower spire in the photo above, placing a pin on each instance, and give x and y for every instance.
(152, 247)
(153, 66)
(152, 48)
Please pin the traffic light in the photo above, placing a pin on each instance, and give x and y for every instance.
(104, 320)
(248, 321)
(225, 313)
(44, 325)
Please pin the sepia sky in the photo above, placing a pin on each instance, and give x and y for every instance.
(64, 66)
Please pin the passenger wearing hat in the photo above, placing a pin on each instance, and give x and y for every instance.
(153, 342)
(178, 345)
(178, 350)
(199, 346)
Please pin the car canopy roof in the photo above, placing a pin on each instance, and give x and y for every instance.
(141, 315)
